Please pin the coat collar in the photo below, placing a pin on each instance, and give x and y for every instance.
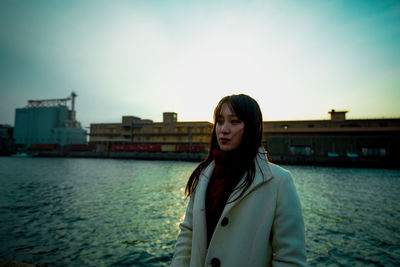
(262, 175)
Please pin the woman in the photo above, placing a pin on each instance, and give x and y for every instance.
(243, 210)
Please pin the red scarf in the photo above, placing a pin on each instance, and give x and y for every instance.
(227, 173)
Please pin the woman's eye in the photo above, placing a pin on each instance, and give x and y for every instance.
(235, 121)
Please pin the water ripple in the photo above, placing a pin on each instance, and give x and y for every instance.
(101, 212)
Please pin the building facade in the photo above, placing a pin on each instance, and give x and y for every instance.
(6, 140)
(368, 142)
(44, 122)
(170, 134)
(335, 140)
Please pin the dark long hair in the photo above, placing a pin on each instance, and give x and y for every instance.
(248, 110)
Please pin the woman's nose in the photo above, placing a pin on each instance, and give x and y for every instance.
(225, 128)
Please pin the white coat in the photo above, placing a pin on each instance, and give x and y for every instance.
(264, 227)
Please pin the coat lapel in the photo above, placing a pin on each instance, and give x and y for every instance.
(199, 219)
(262, 175)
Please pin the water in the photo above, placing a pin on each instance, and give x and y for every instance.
(103, 212)
(351, 215)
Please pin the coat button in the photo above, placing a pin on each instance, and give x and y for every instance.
(224, 221)
(215, 262)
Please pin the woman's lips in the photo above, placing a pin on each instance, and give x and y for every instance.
(224, 140)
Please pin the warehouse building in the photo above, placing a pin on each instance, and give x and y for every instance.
(48, 124)
(338, 140)
(6, 140)
(335, 141)
(134, 133)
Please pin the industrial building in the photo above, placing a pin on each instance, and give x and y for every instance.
(339, 140)
(335, 141)
(6, 140)
(170, 135)
(48, 124)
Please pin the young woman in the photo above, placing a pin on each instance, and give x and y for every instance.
(243, 210)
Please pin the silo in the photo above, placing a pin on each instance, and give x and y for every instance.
(46, 122)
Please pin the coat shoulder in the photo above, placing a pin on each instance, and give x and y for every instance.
(279, 172)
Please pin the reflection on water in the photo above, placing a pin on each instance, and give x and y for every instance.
(90, 211)
(102, 212)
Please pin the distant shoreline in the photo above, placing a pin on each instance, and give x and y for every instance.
(198, 157)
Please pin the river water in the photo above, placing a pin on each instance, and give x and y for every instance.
(105, 212)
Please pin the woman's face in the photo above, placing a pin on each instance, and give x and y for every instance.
(229, 129)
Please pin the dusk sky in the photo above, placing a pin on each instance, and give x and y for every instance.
(298, 59)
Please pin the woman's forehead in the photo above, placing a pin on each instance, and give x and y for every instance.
(227, 107)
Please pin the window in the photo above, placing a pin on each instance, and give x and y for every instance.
(373, 152)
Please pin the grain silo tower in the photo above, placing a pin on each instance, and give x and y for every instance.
(49, 121)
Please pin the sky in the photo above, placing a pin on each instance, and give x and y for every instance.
(297, 59)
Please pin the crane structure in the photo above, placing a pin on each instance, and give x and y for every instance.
(53, 102)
